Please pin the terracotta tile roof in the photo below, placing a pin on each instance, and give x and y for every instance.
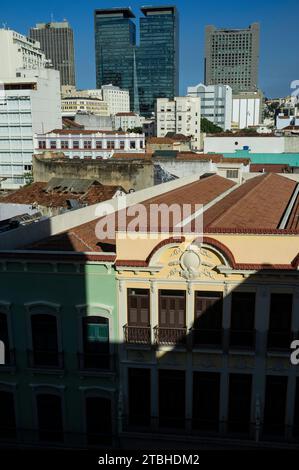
(132, 156)
(84, 131)
(69, 124)
(84, 236)
(159, 140)
(241, 134)
(35, 193)
(260, 203)
(291, 128)
(293, 222)
(269, 168)
(178, 137)
(168, 139)
(126, 114)
(215, 158)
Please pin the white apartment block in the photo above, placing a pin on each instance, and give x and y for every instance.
(71, 105)
(19, 52)
(89, 144)
(180, 116)
(247, 109)
(125, 121)
(28, 105)
(216, 103)
(118, 100)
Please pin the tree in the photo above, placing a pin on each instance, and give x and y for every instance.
(136, 130)
(208, 127)
(28, 177)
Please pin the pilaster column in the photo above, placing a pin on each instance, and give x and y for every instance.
(262, 311)
(189, 365)
(154, 309)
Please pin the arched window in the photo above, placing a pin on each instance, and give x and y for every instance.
(44, 341)
(95, 342)
(49, 417)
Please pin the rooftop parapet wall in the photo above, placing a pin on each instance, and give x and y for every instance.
(130, 175)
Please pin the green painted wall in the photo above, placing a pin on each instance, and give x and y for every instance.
(68, 285)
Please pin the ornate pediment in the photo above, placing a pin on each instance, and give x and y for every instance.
(190, 261)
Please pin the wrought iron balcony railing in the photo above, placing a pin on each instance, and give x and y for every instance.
(170, 336)
(137, 334)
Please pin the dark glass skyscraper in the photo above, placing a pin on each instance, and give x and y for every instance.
(115, 41)
(149, 70)
(157, 56)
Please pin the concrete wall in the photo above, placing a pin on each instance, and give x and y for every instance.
(255, 144)
(92, 122)
(291, 144)
(181, 169)
(134, 174)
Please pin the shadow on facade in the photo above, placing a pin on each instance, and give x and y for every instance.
(221, 380)
(224, 381)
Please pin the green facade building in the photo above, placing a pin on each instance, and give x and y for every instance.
(58, 321)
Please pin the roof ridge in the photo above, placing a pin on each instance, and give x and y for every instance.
(80, 240)
(235, 204)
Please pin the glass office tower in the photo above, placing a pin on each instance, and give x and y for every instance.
(115, 42)
(157, 56)
(150, 70)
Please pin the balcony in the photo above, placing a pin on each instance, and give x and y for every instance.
(38, 359)
(96, 362)
(170, 336)
(207, 338)
(137, 334)
(242, 340)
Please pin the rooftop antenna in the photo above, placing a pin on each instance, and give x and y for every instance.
(52, 17)
(4, 25)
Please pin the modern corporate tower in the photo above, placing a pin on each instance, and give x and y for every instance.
(232, 56)
(149, 70)
(57, 42)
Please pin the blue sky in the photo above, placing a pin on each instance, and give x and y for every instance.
(279, 58)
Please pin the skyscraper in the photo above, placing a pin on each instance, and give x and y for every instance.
(57, 42)
(149, 70)
(232, 56)
(158, 56)
(115, 41)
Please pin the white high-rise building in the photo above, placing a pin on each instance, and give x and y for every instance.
(216, 103)
(29, 103)
(118, 100)
(180, 116)
(19, 52)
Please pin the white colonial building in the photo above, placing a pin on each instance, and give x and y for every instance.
(89, 144)
(180, 116)
(216, 103)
